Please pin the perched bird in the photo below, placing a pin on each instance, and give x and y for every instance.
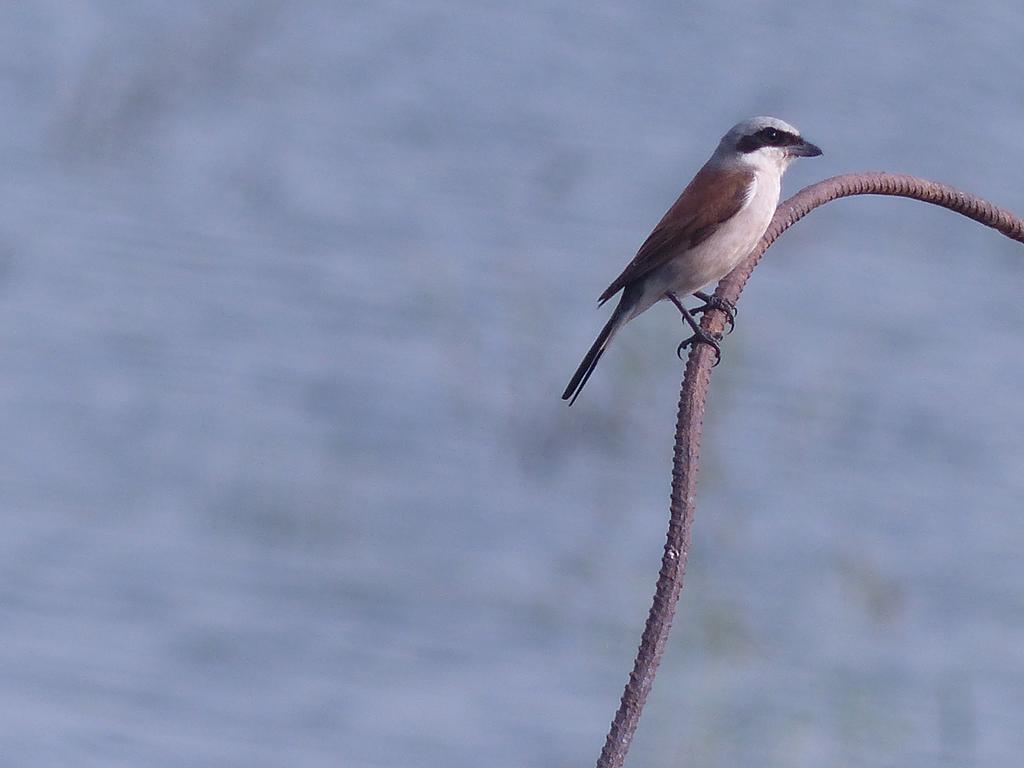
(709, 230)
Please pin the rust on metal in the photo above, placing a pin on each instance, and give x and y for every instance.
(693, 396)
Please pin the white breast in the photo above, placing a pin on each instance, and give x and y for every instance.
(730, 244)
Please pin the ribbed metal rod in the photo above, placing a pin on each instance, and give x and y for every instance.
(693, 396)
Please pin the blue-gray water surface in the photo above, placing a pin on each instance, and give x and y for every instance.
(288, 294)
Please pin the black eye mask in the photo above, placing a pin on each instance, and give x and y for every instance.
(767, 137)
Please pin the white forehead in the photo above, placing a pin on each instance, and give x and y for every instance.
(755, 124)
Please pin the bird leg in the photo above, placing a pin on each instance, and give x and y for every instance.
(699, 334)
(714, 302)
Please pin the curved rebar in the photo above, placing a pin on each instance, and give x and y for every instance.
(690, 419)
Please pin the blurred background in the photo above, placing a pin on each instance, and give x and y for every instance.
(288, 295)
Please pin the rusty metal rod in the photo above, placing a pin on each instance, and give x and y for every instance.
(690, 419)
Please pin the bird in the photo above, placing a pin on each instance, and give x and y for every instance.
(712, 226)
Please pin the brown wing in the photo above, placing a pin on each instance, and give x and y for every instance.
(710, 199)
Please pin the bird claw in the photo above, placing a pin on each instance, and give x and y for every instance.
(723, 305)
(703, 337)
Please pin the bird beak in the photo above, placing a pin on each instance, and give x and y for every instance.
(804, 149)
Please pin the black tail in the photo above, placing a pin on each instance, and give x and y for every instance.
(579, 379)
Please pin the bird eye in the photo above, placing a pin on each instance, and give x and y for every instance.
(764, 137)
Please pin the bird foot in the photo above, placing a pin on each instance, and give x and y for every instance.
(716, 302)
(702, 337)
